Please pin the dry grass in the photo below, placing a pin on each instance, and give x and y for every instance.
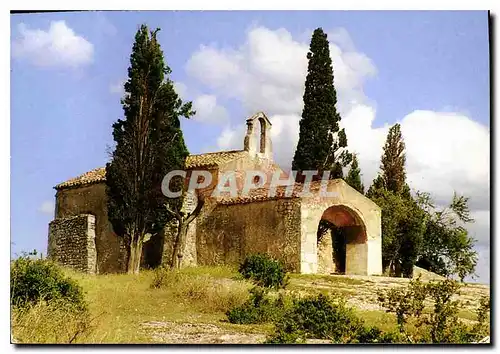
(123, 302)
(207, 293)
(383, 320)
(49, 324)
(120, 304)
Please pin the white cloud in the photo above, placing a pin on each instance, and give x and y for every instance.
(208, 111)
(56, 47)
(181, 89)
(341, 37)
(446, 151)
(47, 207)
(267, 73)
(229, 138)
(117, 87)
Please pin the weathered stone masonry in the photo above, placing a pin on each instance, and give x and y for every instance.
(231, 231)
(89, 197)
(72, 242)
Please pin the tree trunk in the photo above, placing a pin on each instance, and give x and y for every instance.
(179, 245)
(134, 259)
(182, 228)
(131, 258)
(138, 256)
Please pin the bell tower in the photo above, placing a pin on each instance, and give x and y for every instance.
(260, 146)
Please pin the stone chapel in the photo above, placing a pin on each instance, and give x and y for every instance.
(227, 229)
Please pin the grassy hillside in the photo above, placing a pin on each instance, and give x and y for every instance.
(191, 308)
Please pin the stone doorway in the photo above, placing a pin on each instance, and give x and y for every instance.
(341, 241)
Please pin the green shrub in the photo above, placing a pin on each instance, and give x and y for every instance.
(375, 335)
(317, 317)
(264, 271)
(259, 308)
(35, 280)
(324, 317)
(442, 324)
(482, 328)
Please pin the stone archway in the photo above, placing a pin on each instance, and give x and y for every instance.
(341, 236)
(346, 208)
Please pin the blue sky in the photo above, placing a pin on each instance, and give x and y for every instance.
(422, 69)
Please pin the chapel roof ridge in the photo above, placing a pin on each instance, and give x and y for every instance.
(203, 160)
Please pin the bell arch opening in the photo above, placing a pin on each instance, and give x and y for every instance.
(340, 233)
(262, 131)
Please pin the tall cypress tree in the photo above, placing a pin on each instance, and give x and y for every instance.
(393, 161)
(354, 176)
(402, 218)
(322, 144)
(149, 143)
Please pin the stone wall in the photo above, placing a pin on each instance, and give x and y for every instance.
(170, 234)
(226, 234)
(72, 242)
(91, 199)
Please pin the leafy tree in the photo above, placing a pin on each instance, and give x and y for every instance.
(149, 143)
(393, 160)
(354, 176)
(403, 226)
(447, 247)
(403, 221)
(322, 144)
(377, 184)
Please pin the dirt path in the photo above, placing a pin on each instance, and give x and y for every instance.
(198, 333)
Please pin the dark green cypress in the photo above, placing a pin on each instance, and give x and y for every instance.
(322, 144)
(354, 176)
(149, 143)
(393, 161)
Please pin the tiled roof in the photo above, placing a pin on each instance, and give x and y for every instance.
(211, 159)
(94, 176)
(262, 194)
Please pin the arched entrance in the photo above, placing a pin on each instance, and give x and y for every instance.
(358, 217)
(340, 236)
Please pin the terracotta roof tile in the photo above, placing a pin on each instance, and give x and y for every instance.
(211, 159)
(94, 176)
(262, 194)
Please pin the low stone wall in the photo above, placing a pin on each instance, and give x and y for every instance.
(72, 242)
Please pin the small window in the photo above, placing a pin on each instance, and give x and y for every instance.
(256, 179)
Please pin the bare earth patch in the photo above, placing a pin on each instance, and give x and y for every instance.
(362, 291)
(198, 333)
